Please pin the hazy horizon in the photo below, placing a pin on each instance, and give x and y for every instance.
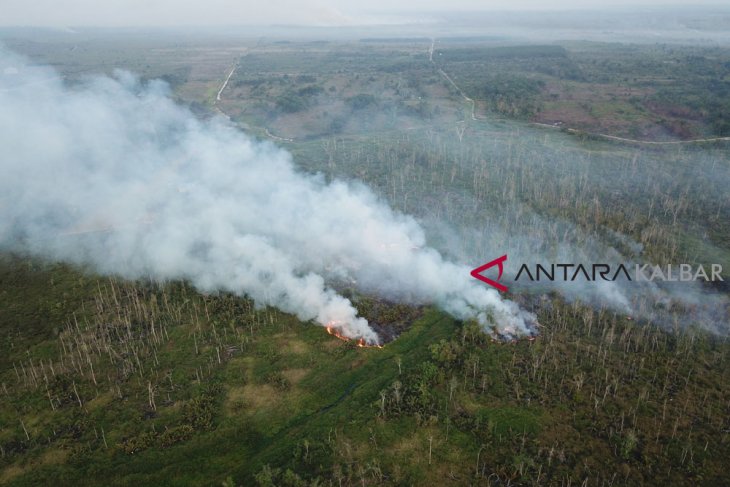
(164, 13)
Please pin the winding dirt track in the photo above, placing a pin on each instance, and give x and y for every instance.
(218, 108)
(225, 83)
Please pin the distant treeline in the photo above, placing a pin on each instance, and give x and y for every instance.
(501, 52)
(396, 40)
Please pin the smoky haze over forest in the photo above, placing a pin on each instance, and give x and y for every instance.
(135, 185)
(113, 174)
(247, 235)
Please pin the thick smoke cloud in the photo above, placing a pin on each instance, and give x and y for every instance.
(114, 174)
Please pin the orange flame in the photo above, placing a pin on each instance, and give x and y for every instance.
(335, 332)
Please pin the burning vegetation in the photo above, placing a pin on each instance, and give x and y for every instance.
(333, 330)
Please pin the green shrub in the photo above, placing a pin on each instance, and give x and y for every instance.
(174, 435)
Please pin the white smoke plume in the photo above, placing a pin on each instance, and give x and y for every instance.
(112, 173)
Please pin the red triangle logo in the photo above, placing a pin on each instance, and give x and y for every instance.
(477, 273)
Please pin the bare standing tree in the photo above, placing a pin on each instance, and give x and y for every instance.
(460, 131)
(430, 442)
(151, 392)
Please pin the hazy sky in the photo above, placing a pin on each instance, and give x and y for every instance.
(232, 12)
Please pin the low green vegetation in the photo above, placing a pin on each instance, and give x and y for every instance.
(107, 382)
